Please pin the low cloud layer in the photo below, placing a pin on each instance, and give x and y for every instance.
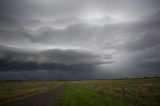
(106, 38)
(69, 60)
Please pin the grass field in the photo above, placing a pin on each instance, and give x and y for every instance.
(128, 92)
(141, 92)
(75, 95)
(15, 90)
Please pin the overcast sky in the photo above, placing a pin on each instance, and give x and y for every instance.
(79, 39)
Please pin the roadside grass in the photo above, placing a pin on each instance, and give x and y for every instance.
(74, 95)
(14, 90)
(141, 92)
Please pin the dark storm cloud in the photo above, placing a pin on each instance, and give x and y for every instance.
(146, 48)
(17, 59)
(21, 28)
(79, 35)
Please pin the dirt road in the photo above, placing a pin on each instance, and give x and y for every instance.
(41, 99)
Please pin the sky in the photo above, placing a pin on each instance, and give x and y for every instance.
(79, 39)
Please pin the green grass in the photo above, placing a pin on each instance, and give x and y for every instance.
(141, 92)
(15, 90)
(74, 95)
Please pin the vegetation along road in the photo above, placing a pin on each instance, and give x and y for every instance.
(126, 92)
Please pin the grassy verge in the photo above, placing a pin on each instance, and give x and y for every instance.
(74, 95)
(15, 90)
(141, 92)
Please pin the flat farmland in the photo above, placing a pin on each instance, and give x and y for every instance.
(120, 92)
(141, 92)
